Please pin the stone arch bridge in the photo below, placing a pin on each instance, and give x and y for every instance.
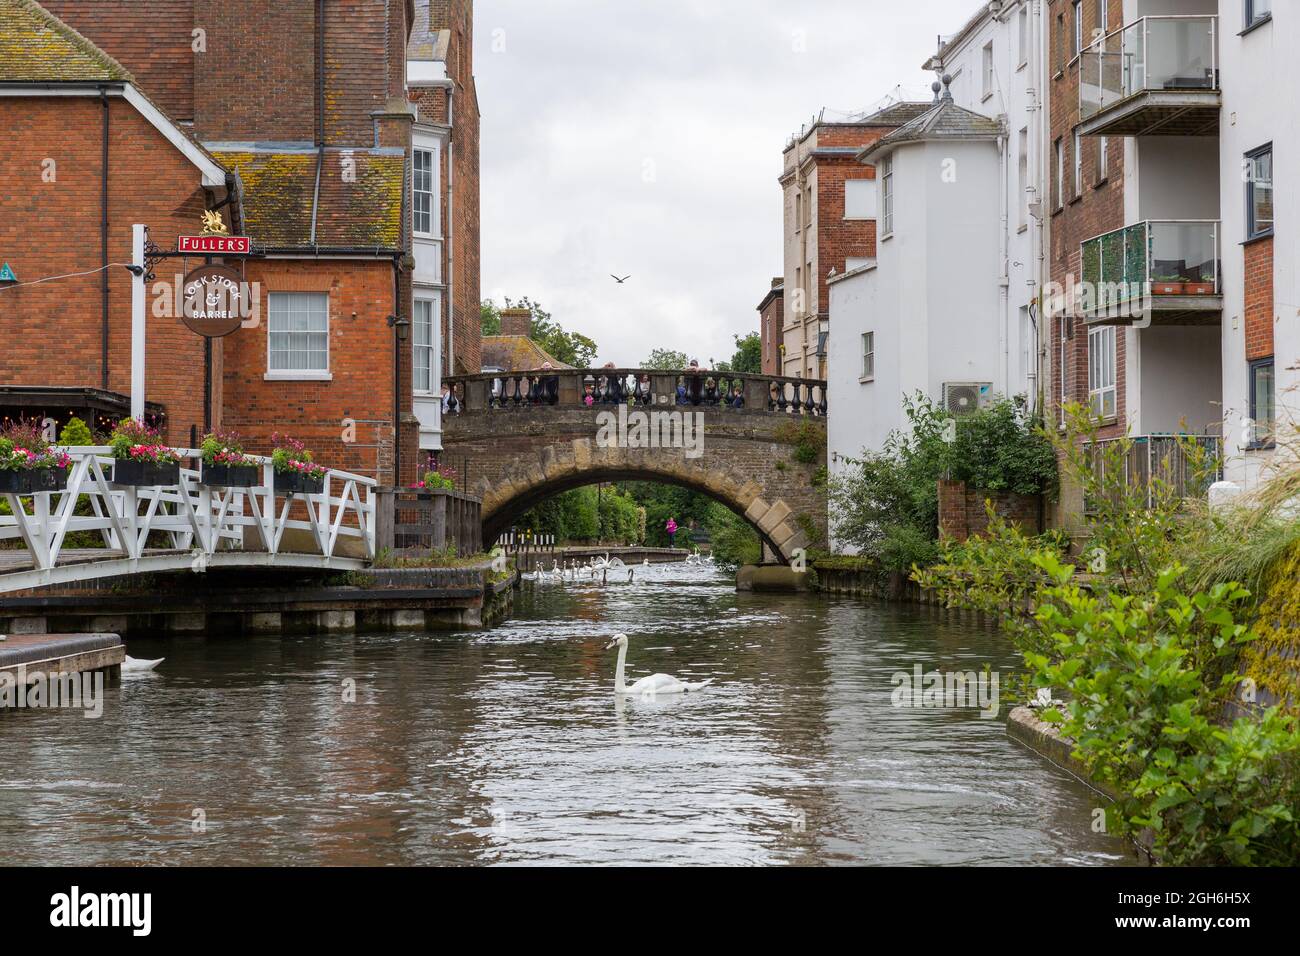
(528, 436)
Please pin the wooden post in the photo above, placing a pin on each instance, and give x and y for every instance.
(384, 519)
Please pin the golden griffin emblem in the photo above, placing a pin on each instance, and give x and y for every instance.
(213, 225)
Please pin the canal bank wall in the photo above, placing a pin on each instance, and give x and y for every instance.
(240, 602)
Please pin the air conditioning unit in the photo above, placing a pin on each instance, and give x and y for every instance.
(962, 398)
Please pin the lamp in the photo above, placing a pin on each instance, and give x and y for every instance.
(401, 325)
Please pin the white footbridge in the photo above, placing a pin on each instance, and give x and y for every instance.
(184, 526)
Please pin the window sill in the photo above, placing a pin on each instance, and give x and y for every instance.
(1022, 66)
(1261, 446)
(1023, 227)
(1256, 25)
(1076, 199)
(988, 95)
(1058, 75)
(864, 381)
(1259, 238)
(298, 377)
(887, 236)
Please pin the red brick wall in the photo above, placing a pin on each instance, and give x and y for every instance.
(1098, 209)
(51, 332)
(1259, 299)
(770, 320)
(963, 511)
(151, 38)
(361, 366)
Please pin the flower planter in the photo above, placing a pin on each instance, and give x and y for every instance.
(1198, 288)
(145, 474)
(293, 483)
(230, 476)
(1159, 287)
(33, 481)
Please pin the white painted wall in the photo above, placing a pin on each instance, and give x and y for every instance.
(1176, 177)
(427, 282)
(1181, 380)
(1261, 104)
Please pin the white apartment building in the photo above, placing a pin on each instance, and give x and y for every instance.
(948, 307)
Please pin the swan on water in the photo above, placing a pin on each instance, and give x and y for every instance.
(133, 665)
(647, 686)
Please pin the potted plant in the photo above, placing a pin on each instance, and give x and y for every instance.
(441, 478)
(295, 472)
(1199, 286)
(28, 463)
(140, 459)
(224, 463)
(1167, 285)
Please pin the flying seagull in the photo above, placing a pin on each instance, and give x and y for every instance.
(618, 280)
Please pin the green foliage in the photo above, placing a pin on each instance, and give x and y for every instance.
(734, 540)
(664, 501)
(807, 437)
(998, 448)
(571, 348)
(619, 517)
(666, 360)
(76, 432)
(748, 359)
(1149, 677)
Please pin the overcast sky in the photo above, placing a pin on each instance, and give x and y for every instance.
(644, 137)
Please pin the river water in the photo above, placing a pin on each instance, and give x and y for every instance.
(509, 746)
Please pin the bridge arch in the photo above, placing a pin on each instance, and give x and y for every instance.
(584, 462)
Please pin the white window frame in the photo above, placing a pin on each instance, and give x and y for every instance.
(988, 70)
(1102, 352)
(868, 357)
(296, 375)
(430, 348)
(886, 170)
(1103, 159)
(1076, 42)
(1059, 146)
(434, 230)
(1077, 147)
(1022, 178)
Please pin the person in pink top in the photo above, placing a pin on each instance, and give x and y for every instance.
(671, 528)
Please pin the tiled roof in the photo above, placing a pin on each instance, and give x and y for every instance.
(360, 204)
(943, 120)
(899, 113)
(37, 47)
(516, 353)
(425, 42)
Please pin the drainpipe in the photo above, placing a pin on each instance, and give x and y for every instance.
(1004, 280)
(103, 247)
(449, 233)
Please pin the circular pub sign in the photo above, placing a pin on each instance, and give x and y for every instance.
(214, 301)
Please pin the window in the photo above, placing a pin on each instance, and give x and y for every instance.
(1101, 371)
(1259, 192)
(868, 355)
(1078, 166)
(1060, 43)
(859, 199)
(1257, 11)
(1058, 182)
(798, 211)
(1022, 173)
(422, 345)
(1022, 25)
(1026, 353)
(1103, 159)
(1076, 44)
(424, 202)
(988, 69)
(298, 334)
(1262, 402)
(887, 196)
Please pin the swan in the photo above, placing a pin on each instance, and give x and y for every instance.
(648, 686)
(133, 665)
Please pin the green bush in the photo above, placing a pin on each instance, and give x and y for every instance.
(1000, 448)
(734, 540)
(76, 432)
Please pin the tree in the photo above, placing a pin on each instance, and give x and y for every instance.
(748, 359)
(666, 360)
(571, 348)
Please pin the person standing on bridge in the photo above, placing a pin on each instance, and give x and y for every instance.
(671, 528)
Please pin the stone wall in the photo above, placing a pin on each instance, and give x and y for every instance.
(963, 511)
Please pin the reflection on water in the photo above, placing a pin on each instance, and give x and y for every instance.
(509, 746)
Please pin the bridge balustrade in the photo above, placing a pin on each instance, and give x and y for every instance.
(604, 387)
(204, 526)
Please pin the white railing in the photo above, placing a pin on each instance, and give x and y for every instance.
(203, 523)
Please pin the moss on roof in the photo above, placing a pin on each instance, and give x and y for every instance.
(38, 47)
(516, 353)
(360, 198)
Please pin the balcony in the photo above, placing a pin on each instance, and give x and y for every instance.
(1158, 76)
(1164, 270)
(1163, 467)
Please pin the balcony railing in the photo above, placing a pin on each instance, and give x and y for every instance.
(1171, 261)
(1164, 466)
(1158, 55)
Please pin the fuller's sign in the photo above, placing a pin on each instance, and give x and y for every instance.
(215, 245)
(214, 300)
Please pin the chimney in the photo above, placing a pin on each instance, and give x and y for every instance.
(516, 321)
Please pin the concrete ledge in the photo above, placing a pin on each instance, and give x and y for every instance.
(772, 578)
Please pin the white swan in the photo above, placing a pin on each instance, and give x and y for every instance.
(647, 686)
(133, 665)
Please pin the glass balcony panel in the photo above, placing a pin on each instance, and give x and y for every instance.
(1186, 255)
(1153, 53)
(1175, 257)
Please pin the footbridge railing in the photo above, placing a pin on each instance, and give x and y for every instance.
(495, 391)
(94, 528)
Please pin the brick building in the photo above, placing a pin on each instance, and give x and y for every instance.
(771, 326)
(293, 119)
(830, 222)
